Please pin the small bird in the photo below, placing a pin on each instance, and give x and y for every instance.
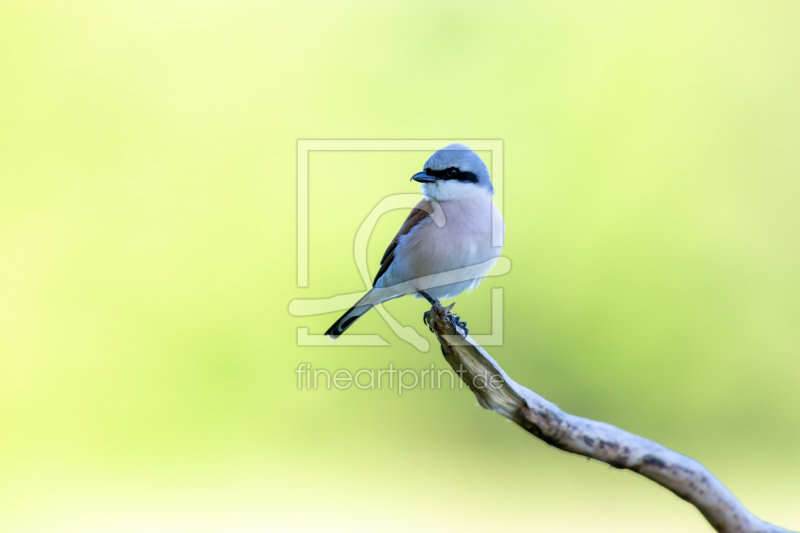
(445, 245)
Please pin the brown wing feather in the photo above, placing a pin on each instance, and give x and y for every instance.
(422, 211)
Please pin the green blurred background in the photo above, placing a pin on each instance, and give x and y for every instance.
(148, 259)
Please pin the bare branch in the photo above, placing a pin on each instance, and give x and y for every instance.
(597, 440)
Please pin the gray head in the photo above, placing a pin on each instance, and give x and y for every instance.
(454, 171)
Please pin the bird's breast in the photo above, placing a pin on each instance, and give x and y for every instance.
(465, 239)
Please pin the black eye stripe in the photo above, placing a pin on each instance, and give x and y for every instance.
(446, 174)
(441, 174)
(466, 176)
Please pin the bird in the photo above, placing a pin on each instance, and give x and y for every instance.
(445, 246)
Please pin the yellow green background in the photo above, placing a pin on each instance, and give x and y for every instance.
(148, 259)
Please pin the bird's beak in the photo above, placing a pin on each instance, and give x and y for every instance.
(423, 177)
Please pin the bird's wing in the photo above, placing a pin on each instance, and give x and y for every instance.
(422, 211)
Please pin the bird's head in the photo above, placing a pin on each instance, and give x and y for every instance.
(453, 172)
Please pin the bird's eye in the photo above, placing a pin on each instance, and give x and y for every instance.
(452, 171)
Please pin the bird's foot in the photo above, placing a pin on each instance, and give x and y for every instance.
(458, 323)
(426, 316)
(455, 320)
(426, 319)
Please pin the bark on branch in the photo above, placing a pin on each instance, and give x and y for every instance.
(597, 440)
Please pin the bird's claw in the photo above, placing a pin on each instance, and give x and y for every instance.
(426, 319)
(454, 320)
(457, 323)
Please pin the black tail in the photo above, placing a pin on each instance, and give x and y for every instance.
(347, 320)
